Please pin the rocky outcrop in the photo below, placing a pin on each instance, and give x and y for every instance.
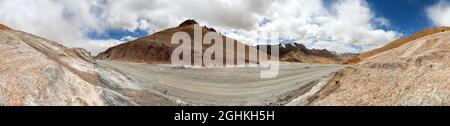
(157, 48)
(415, 73)
(397, 43)
(37, 71)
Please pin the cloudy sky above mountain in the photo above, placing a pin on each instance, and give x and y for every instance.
(338, 25)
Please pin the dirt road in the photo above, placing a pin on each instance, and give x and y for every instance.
(225, 86)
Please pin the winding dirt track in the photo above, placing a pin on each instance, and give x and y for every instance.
(225, 86)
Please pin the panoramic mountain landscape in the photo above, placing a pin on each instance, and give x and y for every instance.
(37, 71)
(327, 53)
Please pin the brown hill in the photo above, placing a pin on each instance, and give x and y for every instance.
(157, 49)
(3, 27)
(397, 43)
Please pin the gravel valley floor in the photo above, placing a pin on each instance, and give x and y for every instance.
(225, 86)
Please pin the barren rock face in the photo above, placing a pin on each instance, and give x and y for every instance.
(36, 71)
(416, 73)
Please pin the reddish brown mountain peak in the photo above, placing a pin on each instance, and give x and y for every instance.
(188, 22)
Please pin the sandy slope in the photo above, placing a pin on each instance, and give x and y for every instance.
(226, 86)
